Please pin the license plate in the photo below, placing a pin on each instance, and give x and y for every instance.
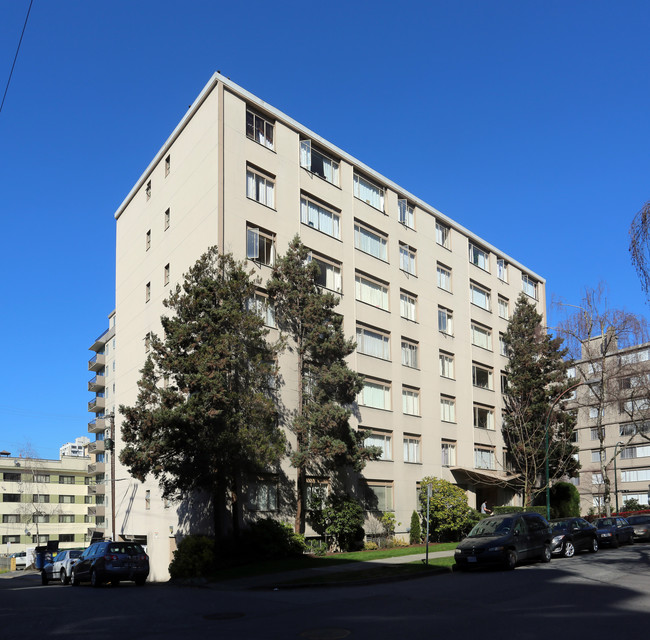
(471, 559)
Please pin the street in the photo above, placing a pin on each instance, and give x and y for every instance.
(601, 594)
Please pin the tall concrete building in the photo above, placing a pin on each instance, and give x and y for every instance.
(426, 299)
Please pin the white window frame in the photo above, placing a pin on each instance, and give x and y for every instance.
(260, 241)
(372, 292)
(383, 440)
(406, 213)
(383, 492)
(329, 166)
(480, 296)
(447, 409)
(481, 336)
(478, 371)
(484, 458)
(447, 365)
(443, 235)
(408, 304)
(263, 495)
(407, 258)
(446, 321)
(375, 394)
(258, 128)
(448, 453)
(319, 217)
(504, 308)
(480, 410)
(373, 342)
(410, 401)
(368, 192)
(259, 304)
(370, 241)
(502, 270)
(444, 277)
(412, 445)
(479, 257)
(410, 353)
(529, 286)
(330, 277)
(260, 187)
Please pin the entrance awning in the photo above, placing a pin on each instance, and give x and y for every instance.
(487, 477)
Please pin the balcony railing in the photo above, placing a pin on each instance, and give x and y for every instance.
(97, 425)
(97, 362)
(97, 383)
(97, 404)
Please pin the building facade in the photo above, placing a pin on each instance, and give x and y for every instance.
(426, 299)
(43, 501)
(76, 448)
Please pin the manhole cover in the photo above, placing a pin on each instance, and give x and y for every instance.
(224, 615)
(325, 634)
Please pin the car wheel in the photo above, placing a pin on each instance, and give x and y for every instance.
(63, 577)
(569, 550)
(73, 579)
(94, 579)
(511, 559)
(140, 582)
(546, 553)
(43, 578)
(593, 547)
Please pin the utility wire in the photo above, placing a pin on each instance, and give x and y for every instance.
(31, 2)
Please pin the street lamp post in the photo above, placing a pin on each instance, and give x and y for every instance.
(616, 446)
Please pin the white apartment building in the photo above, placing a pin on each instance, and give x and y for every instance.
(426, 299)
(42, 501)
(76, 448)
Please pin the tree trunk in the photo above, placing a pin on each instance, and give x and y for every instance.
(301, 482)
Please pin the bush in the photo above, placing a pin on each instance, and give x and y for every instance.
(415, 534)
(194, 558)
(340, 517)
(512, 509)
(269, 538)
(565, 500)
(370, 546)
(450, 515)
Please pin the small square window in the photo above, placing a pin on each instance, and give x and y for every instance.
(168, 165)
(166, 275)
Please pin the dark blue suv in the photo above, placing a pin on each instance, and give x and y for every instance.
(111, 562)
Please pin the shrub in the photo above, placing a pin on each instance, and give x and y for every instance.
(450, 515)
(415, 534)
(512, 509)
(269, 538)
(370, 546)
(388, 522)
(340, 517)
(194, 558)
(632, 504)
(565, 500)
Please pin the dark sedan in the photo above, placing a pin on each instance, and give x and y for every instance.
(111, 562)
(641, 525)
(573, 534)
(614, 531)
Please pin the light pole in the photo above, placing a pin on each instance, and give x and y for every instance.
(616, 446)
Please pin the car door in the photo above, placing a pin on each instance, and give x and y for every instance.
(577, 535)
(521, 538)
(587, 533)
(538, 533)
(82, 568)
(59, 563)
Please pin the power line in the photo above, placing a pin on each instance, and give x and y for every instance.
(31, 2)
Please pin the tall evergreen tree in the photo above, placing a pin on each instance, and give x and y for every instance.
(205, 412)
(537, 377)
(327, 387)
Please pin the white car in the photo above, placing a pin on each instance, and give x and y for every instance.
(60, 568)
(21, 559)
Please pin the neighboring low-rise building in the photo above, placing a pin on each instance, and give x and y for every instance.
(76, 448)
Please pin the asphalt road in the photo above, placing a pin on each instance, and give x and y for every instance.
(606, 595)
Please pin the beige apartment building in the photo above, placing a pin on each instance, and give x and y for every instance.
(426, 299)
(614, 384)
(42, 501)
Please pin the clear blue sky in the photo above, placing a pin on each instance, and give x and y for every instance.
(527, 122)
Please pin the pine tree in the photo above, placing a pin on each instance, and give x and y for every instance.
(205, 414)
(537, 377)
(324, 439)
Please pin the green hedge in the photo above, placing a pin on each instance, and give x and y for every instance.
(511, 509)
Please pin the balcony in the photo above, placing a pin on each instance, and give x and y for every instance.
(100, 341)
(98, 510)
(96, 447)
(97, 383)
(97, 362)
(96, 467)
(96, 489)
(97, 404)
(97, 425)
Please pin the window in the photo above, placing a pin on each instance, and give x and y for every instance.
(408, 306)
(318, 217)
(317, 162)
(504, 383)
(66, 480)
(482, 377)
(595, 455)
(407, 258)
(448, 450)
(503, 308)
(484, 459)
(41, 477)
(375, 394)
(479, 296)
(446, 365)
(481, 336)
(10, 518)
(259, 304)
(503, 348)
(317, 489)
(263, 495)
(147, 292)
(444, 277)
(447, 409)
(642, 451)
(593, 433)
(371, 241)
(260, 187)
(12, 477)
(479, 257)
(637, 356)
(260, 245)
(166, 275)
(168, 165)
(329, 276)
(167, 219)
(380, 496)
(442, 235)
(10, 539)
(412, 449)
(529, 286)
(11, 497)
(40, 539)
(502, 270)
(372, 342)
(369, 192)
(381, 440)
(147, 343)
(371, 292)
(66, 499)
(66, 519)
(39, 498)
(483, 417)
(635, 475)
(147, 500)
(594, 412)
(148, 190)
(409, 353)
(66, 537)
(406, 214)
(445, 321)
(410, 401)
(259, 129)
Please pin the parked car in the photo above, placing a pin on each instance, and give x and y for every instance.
(60, 567)
(614, 531)
(641, 526)
(21, 559)
(506, 540)
(573, 534)
(111, 562)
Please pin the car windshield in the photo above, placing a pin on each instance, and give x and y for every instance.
(606, 522)
(491, 527)
(75, 554)
(562, 525)
(129, 548)
(639, 519)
